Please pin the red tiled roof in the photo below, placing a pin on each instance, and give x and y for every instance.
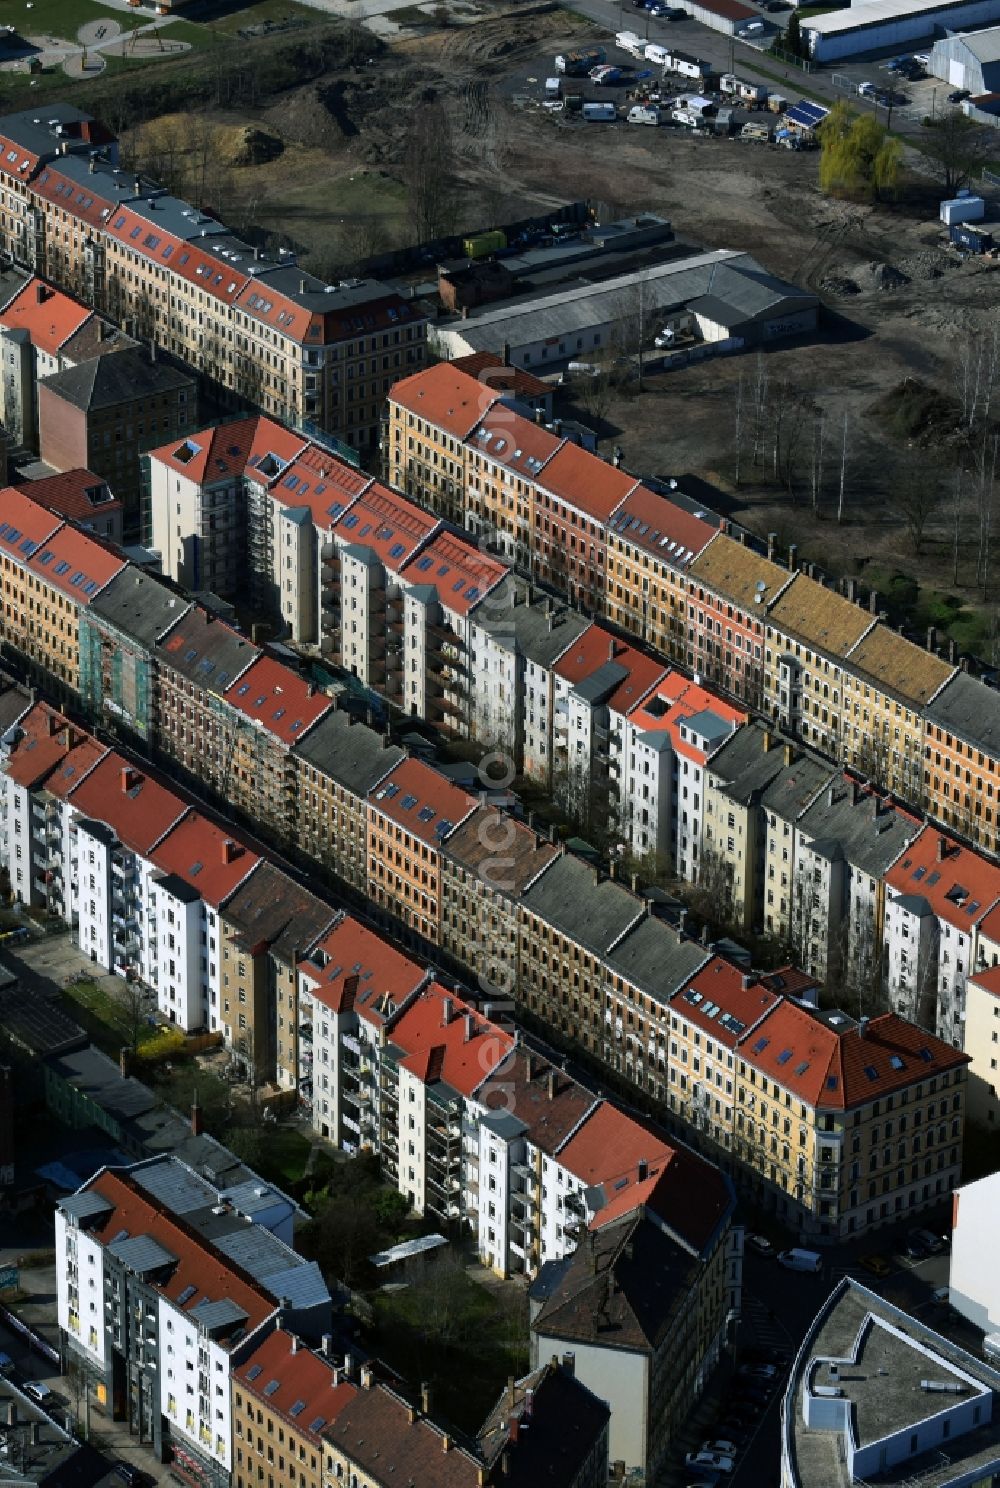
(458, 570)
(211, 455)
(689, 1195)
(959, 884)
(74, 563)
(24, 524)
(271, 439)
(386, 522)
(988, 979)
(422, 800)
(490, 368)
(359, 969)
(45, 738)
(608, 1147)
(516, 443)
(304, 1383)
(49, 316)
(683, 699)
(594, 649)
(444, 1039)
(717, 1000)
(277, 698)
(318, 480)
(90, 205)
(77, 763)
(446, 398)
(146, 237)
(656, 525)
(204, 856)
(586, 482)
(138, 807)
(79, 495)
(836, 1068)
(199, 1265)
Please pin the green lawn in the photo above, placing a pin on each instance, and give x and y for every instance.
(106, 1020)
(63, 18)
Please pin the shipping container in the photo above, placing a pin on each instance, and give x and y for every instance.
(484, 243)
(963, 209)
(972, 239)
(600, 113)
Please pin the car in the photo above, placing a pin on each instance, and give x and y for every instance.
(761, 1244)
(876, 1264)
(715, 1461)
(933, 1244)
(958, 95)
(914, 1249)
(758, 1371)
(39, 1392)
(723, 1447)
(865, 90)
(127, 1472)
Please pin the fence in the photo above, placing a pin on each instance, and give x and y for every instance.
(990, 177)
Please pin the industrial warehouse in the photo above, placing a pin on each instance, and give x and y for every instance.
(876, 25)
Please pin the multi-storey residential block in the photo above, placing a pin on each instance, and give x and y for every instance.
(81, 497)
(651, 544)
(659, 752)
(729, 590)
(961, 782)
(782, 802)
(101, 415)
(505, 457)
(117, 633)
(338, 763)
(809, 632)
(981, 1042)
(887, 683)
(196, 661)
(258, 327)
(938, 895)
(264, 930)
(487, 865)
(569, 920)
(547, 1425)
(663, 1296)
(575, 496)
(642, 970)
(285, 1396)
(847, 1125)
(36, 740)
(410, 815)
(431, 414)
(350, 984)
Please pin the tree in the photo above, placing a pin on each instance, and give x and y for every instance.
(915, 494)
(793, 43)
(858, 157)
(955, 147)
(429, 172)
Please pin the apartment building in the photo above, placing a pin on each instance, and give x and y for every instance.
(575, 496)
(337, 765)
(659, 751)
(411, 813)
(847, 1125)
(505, 455)
(118, 631)
(783, 801)
(487, 865)
(516, 638)
(961, 781)
(547, 1425)
(642, 971)
(81, 497)
(887, 684)
(981, 1042)
(652, 542)
(258, 327)
(265, 927)
(196, 661)
(284, 1397)
(938, 895)
(809, 632)
(569, 920)
(350, 983)
(431, 414)
(25, 527)
(729, 589)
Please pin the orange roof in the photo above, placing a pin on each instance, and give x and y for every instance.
(988, 979)
(271, 448)
(675, 699)
(446, 398)
(79, 760)
(24, 524)
(49, 316)
(91, 205)
(201, 1273)
(216, 454)
(44, 738)
(609, 1146)
(138, 807)
(386, 522)
(422, 800)
(597, 647)
(77, 494)
(190, 259)
(518, 444)
(320, 481)
(204, 856)
(293, 1382)
(959, 884)
(838, 1067)
(723, 1001)
(353, 968)
(278, 699)
(442, 1038)
(586, 482)
(688, 1194)
(460, 573)
(490, 367)
(71, 561)
(657, 525)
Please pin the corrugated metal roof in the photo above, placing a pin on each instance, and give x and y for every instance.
(217, 1315)
(175, 1185)
(142, 1254)
(85, 1205)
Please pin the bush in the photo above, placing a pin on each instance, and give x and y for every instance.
(166, 1043)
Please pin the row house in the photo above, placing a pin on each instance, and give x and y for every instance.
(782, 802)
(575, 496)
(982, 1037)
(809, 632)
(961, 780)
(163, 1285)
(350, 983)
(431, 415)
(118, 632)
(506, 455)
(284, 1398)
(659, 751)
(35, 740)
(338, 764)
(411, 814)
(938, 895)
(259, 328)
(847, 1125)
(652, 543)
(642, 972)
(730, 587)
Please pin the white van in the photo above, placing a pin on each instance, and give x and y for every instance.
(800, 1260)
(643, 113)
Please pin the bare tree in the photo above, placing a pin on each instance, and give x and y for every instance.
(843, 474)
(915, 495)
(429, 167)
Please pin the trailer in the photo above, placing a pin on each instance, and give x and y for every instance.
(972, 239)
(578, 64)
(757, 133)
(629, 42)
(600, 113)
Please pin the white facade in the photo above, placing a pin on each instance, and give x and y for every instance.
(973, 1280)
(18, 848)
(80, 1290)
(295, 549)
(876, 24)
(94, 850)
(196, 529)
(173, 952)
(911, 954)
(194, 1385)
(644, 767)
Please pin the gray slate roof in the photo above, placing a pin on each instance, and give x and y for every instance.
(121, 377)
(350, 753)
(205, 651)
(869, 834)
(970, 709)
(541, 631)
(270, 909)
(139, 604)
(567, 897)
(652, 957)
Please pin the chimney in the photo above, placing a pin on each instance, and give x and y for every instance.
(529, 1401)
(230, 850)
(617, 457)
(130, 779)
(863, 1026)
(197, 1124)
(411, 1414)
(611, 650)
(445, 1011)
(829, 794)
(772, 545)
(446, 1443)
(569, 1362)
(302, 286)
(529, 1065)
(506, 354)
(469, 1028)
(681, 920)
(793, 556)
(425, 1397)
(513, 1429)
(942, 849)
(125, 1061)
(873, 602)
(551, 1082)
(635, 883)
(348, 1366)
(641, 1170)
(953, 652)
(788, 755)
(366, 1377)
(724, 526)
(335, 1378)
(540, 416)
(855, 792)
(138, 186)
(92, 165)
(36, 1432)
(768, 741)
(326, 1345)
(295, 1344)
(746, 979)
(40, 294)
(931, 637)
(613, 869)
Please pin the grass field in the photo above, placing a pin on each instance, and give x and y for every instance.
(105, 1019)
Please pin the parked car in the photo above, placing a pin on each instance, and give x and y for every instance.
(758, 1371)
(800, 1260)
(865, 90)
(876, 1264)
(39, 1392)
(128, 1473)
(958, 95)
(722, 1446)
(714, 1461)
(914, 1249)
(934, 1244)
(761, 1243)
